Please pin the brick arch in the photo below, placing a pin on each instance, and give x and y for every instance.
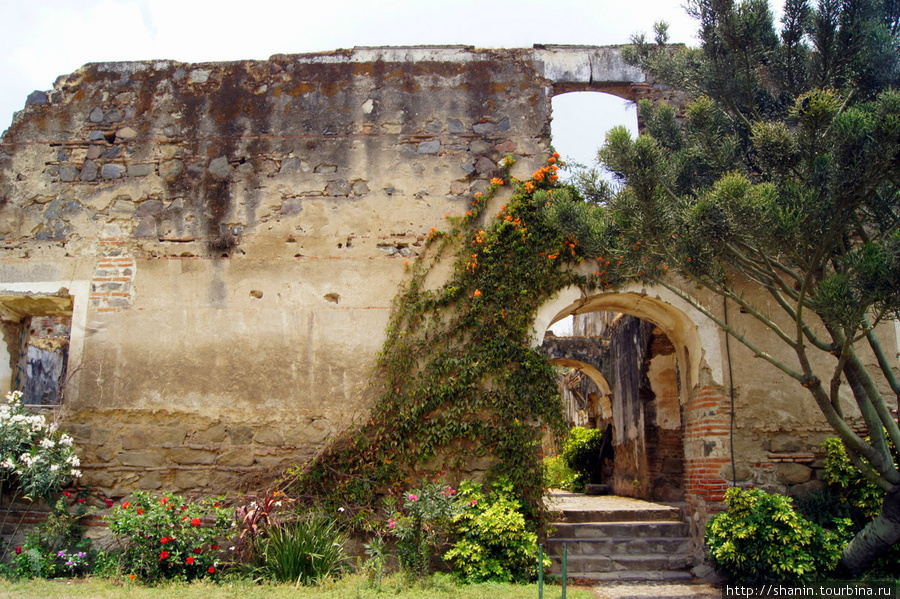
(705, 405)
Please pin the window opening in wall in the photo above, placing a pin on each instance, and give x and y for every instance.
(42, 356)
(36, 337)
(581, 121)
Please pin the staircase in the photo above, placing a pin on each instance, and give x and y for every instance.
(618, 539)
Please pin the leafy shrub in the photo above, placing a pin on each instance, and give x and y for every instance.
(558, 475)
(55, 548)
(304, 551)
(493, 541)
(168, 537)
(761, 539)
(853, 501)
(422, 525)
(581, 453)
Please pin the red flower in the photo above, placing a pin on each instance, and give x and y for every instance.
(216, 504)
(164, 540)
(82, 500)
(109, 503)
(140, 512)
(195, 521)
(163, 555)
(214, 547)
(125, 505)
(67, 494)
(211, 570)
(197, 550)
(18, 551)
(189, 561)
(164, 500)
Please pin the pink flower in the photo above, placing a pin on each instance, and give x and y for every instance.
(413, 497)
(473, 503)
(391, 524)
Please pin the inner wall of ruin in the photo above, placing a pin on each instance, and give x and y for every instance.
(225, 241)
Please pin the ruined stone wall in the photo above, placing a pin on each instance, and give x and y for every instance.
(229, 237)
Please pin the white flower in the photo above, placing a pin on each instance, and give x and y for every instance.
(73, 460)
(47, 443)
(75, 473)
(65, 440)
(54, 467)
(8, 464)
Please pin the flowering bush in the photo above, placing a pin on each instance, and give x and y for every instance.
(35, 458)
(169, 537)
(422, 525)
(493, 542)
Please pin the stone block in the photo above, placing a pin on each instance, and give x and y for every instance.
(135, 439)
(268, 436)
(429, 147)
(142, 459)
(214, 434)
(237, 459)
(190, 479)
(786, 444)
(240, 435)
(186, 455)
(141, 170)
(793, 474)
(150, 481)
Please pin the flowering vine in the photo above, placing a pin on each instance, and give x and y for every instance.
(459, 378)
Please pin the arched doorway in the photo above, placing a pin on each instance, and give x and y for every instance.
(623, 379)
(687, 379)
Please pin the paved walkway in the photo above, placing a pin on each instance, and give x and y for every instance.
(656, 590)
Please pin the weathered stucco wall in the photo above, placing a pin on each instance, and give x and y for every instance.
(232, 235)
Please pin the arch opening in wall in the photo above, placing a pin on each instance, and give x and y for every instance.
(618, 373)
(695, 364)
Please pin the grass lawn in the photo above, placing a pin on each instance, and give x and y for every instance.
(350, 587)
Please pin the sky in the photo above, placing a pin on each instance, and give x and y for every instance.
(43, 39)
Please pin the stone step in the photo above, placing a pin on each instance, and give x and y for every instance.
(624, 515)
(619, 530)
(619, 546)
(620, 564)
(633, 576)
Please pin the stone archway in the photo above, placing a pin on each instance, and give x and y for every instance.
(697, 345)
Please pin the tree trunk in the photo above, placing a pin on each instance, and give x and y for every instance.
(873, 540)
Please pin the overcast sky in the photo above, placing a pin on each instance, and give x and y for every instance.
(42, 39)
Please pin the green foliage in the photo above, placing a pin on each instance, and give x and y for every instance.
(169, 537)
(761, 539)
(856, 501)
(303, 551)
(557, 475)
(779, 190)
(493, 540)
(581, 453)
(862, 495)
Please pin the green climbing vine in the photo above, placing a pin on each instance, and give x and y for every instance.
(461, 380)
